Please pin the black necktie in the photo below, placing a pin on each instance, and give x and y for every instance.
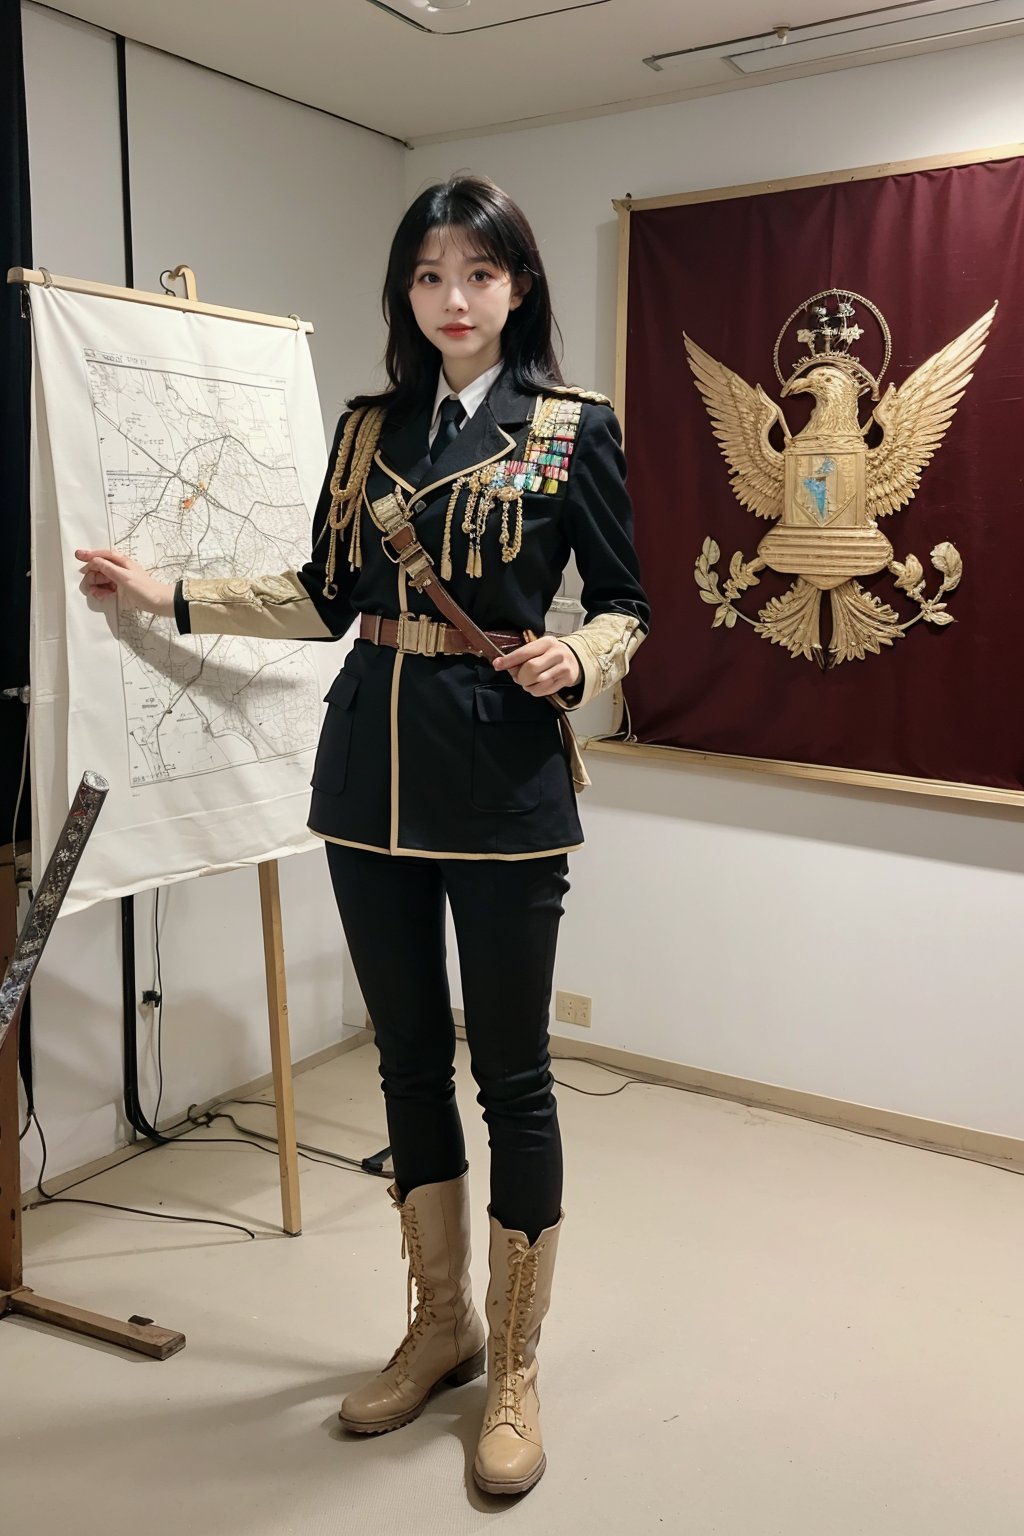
(453, 414)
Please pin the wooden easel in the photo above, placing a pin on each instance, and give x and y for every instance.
(280, 1047)
(16, 1298)
(142, 1336)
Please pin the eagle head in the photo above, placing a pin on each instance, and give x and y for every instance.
(835, 398)
(824, 383)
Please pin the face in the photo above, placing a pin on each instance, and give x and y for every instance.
(461, 302)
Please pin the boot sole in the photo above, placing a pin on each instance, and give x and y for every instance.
(469, 1370)
(506, 1490)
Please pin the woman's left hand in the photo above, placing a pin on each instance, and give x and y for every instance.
(542, 666)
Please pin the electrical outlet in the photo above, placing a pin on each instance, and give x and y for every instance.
(572, 1008)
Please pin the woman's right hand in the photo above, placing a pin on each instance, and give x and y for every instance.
(107, 572)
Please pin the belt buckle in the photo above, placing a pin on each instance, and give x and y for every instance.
(418, 636)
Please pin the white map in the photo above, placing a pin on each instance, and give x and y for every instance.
(194, 443)
(200, 478)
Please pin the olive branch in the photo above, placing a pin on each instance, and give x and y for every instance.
(742, 574)
(911, 579)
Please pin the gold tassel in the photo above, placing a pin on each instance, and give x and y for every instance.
(446, 548)
(510, 547)
(479, 524)
(355, 548)
(468, 521)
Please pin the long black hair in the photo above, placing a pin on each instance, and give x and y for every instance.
(473, 206)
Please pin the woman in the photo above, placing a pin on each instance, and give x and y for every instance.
(441, 774)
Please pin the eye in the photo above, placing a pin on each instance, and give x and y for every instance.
(429, 278)
(481, 275)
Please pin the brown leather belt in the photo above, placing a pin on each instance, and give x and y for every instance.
(429, 637)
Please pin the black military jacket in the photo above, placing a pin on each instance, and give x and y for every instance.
(443, 756)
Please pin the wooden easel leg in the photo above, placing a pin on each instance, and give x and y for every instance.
(10, 1167)
(10, 1151)
(280, 1047)
(144, 1337)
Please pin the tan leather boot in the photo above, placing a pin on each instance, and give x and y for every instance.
(445, 1340)
(510, 1457)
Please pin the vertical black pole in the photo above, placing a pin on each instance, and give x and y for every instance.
(132, 1101)
(15, 435)
(15, 417)
(126, 180)
(134, 1113)
(131, 1045)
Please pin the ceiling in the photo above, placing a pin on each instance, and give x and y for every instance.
(422, 74)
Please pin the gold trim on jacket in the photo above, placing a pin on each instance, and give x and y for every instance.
(423, 492)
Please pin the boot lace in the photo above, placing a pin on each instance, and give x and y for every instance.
(418, 1321)
(510, 1344)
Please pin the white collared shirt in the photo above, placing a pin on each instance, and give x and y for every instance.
(471, 398)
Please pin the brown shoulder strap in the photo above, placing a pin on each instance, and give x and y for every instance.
(390, 514)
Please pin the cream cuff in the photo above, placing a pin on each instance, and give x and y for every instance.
(604, 648)
(266, 607)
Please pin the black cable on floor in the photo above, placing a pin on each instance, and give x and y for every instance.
(247, 1137)
(631, 1080)
(108, 1205)
(304, 1147)
(312, 1153)
(596, 1093)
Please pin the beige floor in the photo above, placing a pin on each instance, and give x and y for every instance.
(761, 1327)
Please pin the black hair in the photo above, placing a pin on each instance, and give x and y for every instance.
(500, 232)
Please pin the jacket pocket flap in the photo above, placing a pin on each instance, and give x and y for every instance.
(510, 703)
(342, 691)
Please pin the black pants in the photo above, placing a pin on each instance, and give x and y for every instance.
(506, 917)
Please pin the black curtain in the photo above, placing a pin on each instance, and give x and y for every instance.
(15, 378)
(15, 382)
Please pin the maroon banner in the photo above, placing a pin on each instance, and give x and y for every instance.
(932, 250)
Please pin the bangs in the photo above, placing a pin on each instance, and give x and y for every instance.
(473, 214)
(473, 237)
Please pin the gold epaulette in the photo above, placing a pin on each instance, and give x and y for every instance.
(575, 393)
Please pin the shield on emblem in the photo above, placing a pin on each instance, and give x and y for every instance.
(824, 486)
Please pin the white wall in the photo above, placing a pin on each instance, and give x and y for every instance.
(858, 945)
(277, 208)
(74, 156)
(259, 196)
(845, 943)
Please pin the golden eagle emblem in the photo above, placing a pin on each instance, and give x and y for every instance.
(826, 489)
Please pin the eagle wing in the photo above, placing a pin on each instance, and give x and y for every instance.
(914, 419)
(742, 418)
